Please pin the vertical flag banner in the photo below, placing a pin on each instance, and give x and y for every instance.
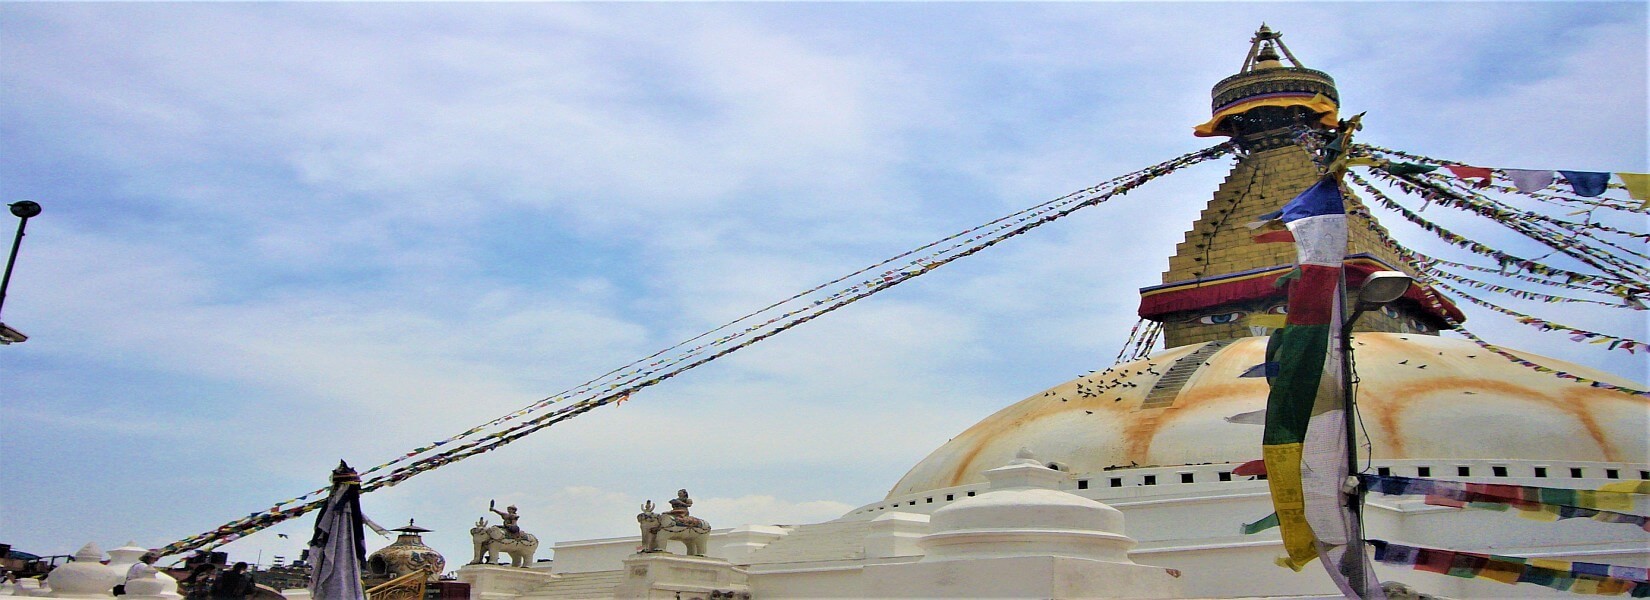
(1304, 444)
(337, 549)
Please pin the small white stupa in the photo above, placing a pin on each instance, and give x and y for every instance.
(1023, 538)
(84, 577)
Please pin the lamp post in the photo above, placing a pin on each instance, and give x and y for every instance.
(1379, 289)
(23, 209)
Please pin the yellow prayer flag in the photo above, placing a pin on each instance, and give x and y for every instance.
(1584, 585)
(1548, 563)
(1614, 587)
(1638, 186)
(1604, 500)
(1627, 487)
(1502, 571)
(1541, 512)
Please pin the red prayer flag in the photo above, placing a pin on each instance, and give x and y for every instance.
(1434, 561)
(1251, 468)
(1274, 236)
(1482, 174)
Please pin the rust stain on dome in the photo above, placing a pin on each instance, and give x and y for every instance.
(1410, 383)
(1395, 402)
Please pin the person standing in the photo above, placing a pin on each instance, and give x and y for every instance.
(235, 584)
(143, 568)
(198, 585)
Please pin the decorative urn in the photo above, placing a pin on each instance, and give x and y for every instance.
(406, 555)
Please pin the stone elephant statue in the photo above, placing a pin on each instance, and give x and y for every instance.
(658, 530)
(489, 541)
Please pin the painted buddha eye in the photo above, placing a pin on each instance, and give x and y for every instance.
(1281, 309)
(1221, 318)
(1419, 326)
(1389, 311)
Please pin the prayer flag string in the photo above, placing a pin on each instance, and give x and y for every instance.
(1571, 576)
(1534, 183)
(1570, 281)
(1576, 334)
(1425, 281)
(1634, 286)
(1514, 292)
(617, 385)
(1536, 503)
(1559, 242)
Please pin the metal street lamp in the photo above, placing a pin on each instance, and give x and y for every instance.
(23, 210)
(1380, 288)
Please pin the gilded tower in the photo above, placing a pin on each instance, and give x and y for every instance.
(1220, 282)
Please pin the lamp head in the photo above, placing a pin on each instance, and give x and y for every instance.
(24, 208)
(1382, 287)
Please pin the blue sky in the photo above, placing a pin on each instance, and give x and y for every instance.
(276, 235)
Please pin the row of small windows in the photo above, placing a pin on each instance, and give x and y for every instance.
(1501, 471)
(1423, 471)
(929, 500)
(1083, 484)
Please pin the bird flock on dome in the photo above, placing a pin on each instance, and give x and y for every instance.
(1608, 269)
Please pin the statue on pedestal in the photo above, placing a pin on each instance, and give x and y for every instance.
(508, 538)
(673, 524)
(509, 518)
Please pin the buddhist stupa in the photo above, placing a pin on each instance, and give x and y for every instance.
(1158, 439)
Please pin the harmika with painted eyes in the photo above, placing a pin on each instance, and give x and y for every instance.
(1238, 315)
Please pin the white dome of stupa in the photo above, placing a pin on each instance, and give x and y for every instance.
(1420, 397)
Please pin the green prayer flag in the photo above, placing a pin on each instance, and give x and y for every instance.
(1403, 168)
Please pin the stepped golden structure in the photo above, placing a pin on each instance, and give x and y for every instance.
(1219, 279)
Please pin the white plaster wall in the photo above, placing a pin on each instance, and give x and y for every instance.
(607, 554)
(831, 582)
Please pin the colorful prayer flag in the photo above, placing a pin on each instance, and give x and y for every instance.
(1577, 577)
(1404, 168)
(1638, 186)
(1482, 174)
(1587, 184)
(1304, 443)
(1530, 181)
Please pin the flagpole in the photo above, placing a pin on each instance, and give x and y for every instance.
(1353, 562)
